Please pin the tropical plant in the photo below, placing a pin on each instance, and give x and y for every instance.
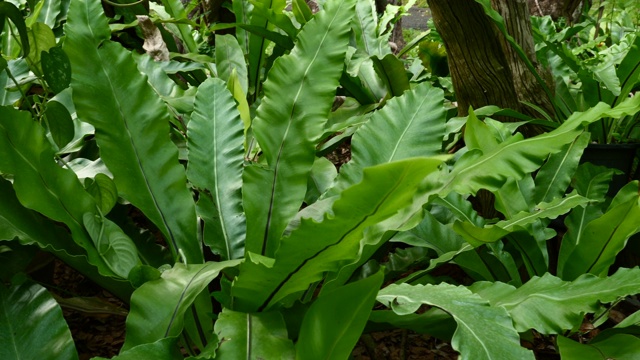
(588, 68)
(146, 168)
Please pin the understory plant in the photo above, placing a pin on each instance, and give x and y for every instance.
(194, 186)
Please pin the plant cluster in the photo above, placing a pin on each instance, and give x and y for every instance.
(195, 187)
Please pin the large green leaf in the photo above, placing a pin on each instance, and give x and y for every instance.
(229, 56)
(554, 176)
(158, 307)
(49, 12)
(605, 236)
(165, 349)
(592, 182)
(242, 9)
(448, 245)
(317, 247)
(629, 70)
(252, 336)
(32, 326)
(516, 158)
(299, 93)
(334, 322)
(41, 184)
(29, 227)
(112, 243)
(550, 305)
(175, 8)
(618, 346)
(365, 29)
(132, 128)
(413, 125)
(484, 331)
(489, 233)
(216, 157)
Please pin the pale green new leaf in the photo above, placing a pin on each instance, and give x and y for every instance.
(298, 95)
(550, 305)
(32, 325)
(334, 322)
(413, 125)
(321, 177)
(315, 248)
(484, 331)
(151, 320)
(41, 38)
(132, 128)
(215, 138)
(252, 336)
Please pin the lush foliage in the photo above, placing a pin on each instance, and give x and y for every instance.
(162, 174)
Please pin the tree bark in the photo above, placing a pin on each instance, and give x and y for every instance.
(570, 9)
(485, 69)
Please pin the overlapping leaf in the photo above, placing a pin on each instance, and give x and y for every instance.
(365, 28)
(298, 95)
(32, 326)
(41, 185)
(515, 157)
(253, 336)
(132, 128)
(413, 125)
(484, 331)
(315, 248)
(151, 320)
(550, 305)
(333, 324)
(605, 236)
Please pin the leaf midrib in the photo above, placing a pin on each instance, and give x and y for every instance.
(286, 133)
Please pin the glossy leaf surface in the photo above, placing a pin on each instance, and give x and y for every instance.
(550, 305)
(216, 157)
(252, 336)
(298, 95)
(317, 247)
(132, 128)
(32, 326)
(151, 320)
(333, 324)
(484, 331)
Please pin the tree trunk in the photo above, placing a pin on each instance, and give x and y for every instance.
(485, 69)
(570, 9)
